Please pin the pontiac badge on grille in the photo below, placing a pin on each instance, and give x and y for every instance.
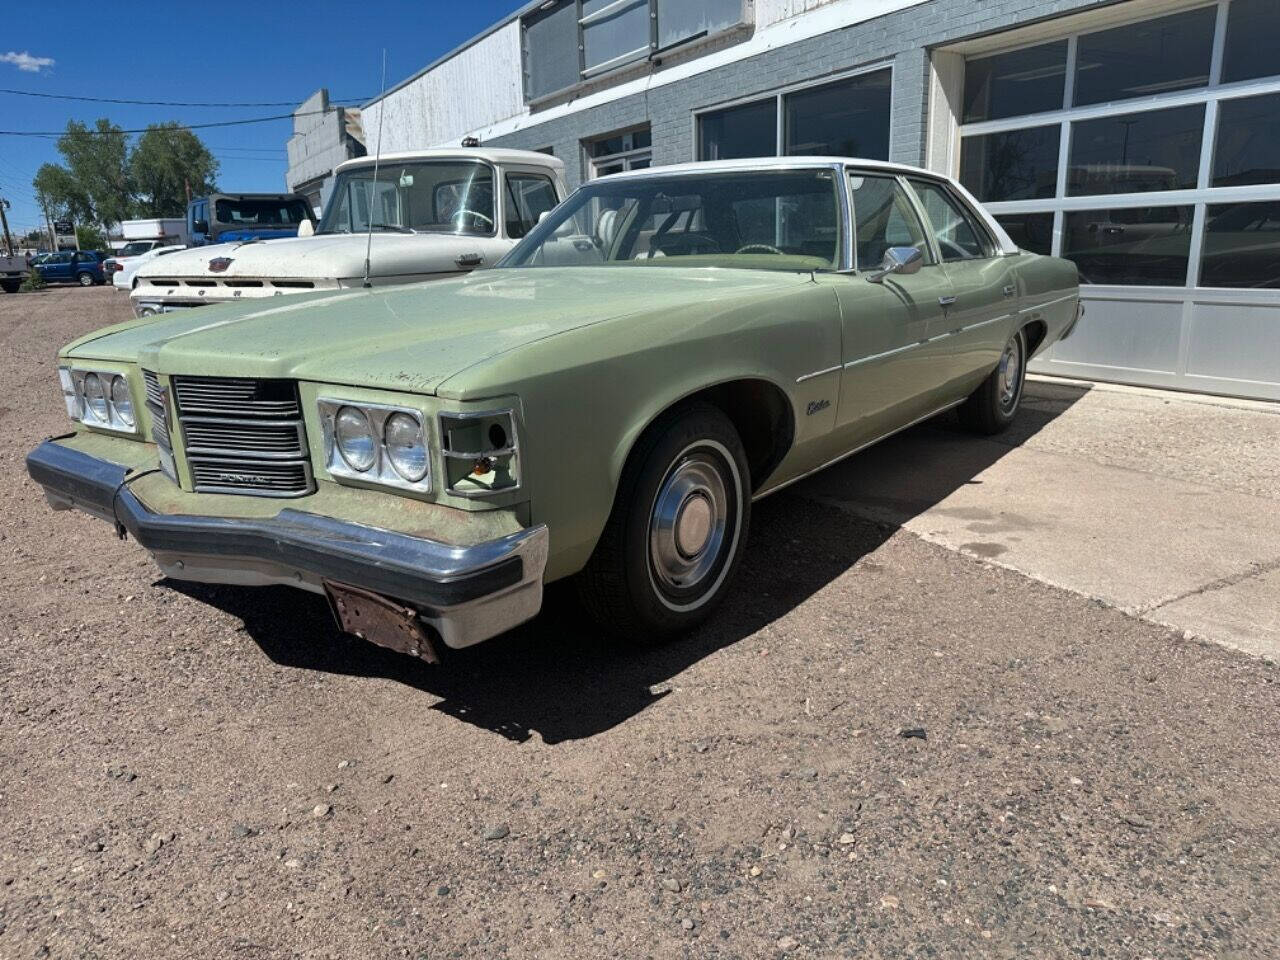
(219, 264)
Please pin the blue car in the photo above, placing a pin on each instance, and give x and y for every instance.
(71, 266)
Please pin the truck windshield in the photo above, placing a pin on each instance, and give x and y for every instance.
(765, 220)
(136, 247)
(423, 196)
(261, 212)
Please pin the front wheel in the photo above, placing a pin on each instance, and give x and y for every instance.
(85, 279)
(677, 529)
(991, 408)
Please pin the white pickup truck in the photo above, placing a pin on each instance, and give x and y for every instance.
(434, 213)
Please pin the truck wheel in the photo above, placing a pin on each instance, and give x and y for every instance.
(677, 529)
(991, 408)
(10, 286)
(84, 279)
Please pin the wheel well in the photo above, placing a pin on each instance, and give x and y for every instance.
(1036, 331)
(761, 413)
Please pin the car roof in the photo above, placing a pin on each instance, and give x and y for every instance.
(494, 155)
(775, 163)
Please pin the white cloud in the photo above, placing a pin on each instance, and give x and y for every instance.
(26, 62)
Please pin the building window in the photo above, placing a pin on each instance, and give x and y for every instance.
(1249, 54)
(844, 118)
(1013, 84)
(750, 130)
(1145, 58)
(1137, 152)
(1248, 144)
(1011, 165)
(1242, 245)
(849, 118)
(632, 150)
(566, 42)
(1087, 182)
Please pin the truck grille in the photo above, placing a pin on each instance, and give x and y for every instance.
(243, 436)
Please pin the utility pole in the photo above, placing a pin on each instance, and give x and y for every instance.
(48, 225)
(8, 240)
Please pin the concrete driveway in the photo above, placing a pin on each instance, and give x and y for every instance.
(1163, 505)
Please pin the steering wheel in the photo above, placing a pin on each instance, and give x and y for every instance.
(759, 248)
(464, 212)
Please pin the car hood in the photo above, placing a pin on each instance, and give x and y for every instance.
(332, 256)
(411, 338)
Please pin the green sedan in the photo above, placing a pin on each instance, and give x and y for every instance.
(664, 348)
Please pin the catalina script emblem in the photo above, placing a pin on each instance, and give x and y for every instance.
(219, 264)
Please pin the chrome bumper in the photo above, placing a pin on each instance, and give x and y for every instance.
(468, 593)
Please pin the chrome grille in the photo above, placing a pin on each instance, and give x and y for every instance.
(236, 398)
(243, 436)
(158, 408)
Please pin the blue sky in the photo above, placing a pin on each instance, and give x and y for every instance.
(226, 51)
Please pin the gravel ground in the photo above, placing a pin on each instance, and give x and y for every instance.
(879, 748)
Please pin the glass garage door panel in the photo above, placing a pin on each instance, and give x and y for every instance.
(1136, 152)
(1012, 165)
(1248, 146)
(1242, 246)
(1014, 84)
(1141, 246)
(1249, 54)
(1030, 231)
(1146, 58)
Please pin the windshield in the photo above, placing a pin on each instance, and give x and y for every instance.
(767, 220)
(135, 248)
(261, 212)
(446, 196)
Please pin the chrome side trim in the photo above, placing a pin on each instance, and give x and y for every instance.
(886, 353)
(870, 443)
(1047, 303)
(819, 373)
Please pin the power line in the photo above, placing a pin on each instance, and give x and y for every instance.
(184, 126)
(169, 103)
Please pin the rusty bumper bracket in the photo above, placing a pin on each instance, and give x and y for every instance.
(371, 616)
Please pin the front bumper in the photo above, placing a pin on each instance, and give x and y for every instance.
(467, 593)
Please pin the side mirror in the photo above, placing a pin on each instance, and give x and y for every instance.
(903, 260)
(200, 226)
(306, 229)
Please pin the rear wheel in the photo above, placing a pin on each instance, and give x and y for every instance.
(677, 529)
(84, 279)
(991, 408)
(10, 286)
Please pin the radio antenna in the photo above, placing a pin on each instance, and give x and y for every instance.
(377, 156)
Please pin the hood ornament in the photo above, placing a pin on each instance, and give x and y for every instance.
(219, 264)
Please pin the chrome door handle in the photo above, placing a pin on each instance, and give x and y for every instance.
(1010, 290)
(469, 259)
(946, 301)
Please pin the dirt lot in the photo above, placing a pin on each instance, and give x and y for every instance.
(189, 771)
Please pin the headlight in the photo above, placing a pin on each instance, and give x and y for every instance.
(482, 457)
(99, 398)
(122, 401)
(355, 439)
(95, 397)
(375, 443)
(406, 446)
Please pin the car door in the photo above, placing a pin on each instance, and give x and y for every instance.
(976, 326)
(58, 266)
(889, 373)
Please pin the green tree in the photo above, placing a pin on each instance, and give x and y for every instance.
(61, 194)
(169, 163)
(90, 237)
(97, 158)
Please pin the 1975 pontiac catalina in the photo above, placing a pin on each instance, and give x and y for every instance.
(665, 347)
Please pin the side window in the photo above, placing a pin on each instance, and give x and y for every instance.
(529, 196)
(883, 218)
(959, 235)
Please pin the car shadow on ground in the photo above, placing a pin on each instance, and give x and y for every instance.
(561, 677)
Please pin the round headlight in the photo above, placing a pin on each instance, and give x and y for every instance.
(355, 439)
(95, 398)
(122, 401)
(406, 447)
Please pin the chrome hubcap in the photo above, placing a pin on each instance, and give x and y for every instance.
(1010, 373)
(687, 528)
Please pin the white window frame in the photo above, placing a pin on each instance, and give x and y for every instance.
(1198, 198)
(626, 157)
(778, 94)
